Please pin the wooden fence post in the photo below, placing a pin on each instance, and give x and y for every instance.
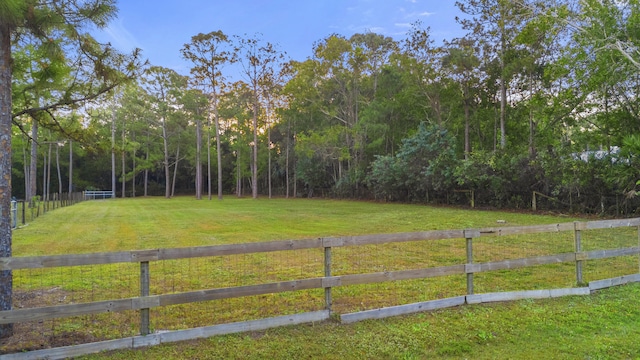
(534, 205)
(577, 235)
(144, 291)
(327, 273)
(469, 234)
(24, 209)
(473, 199)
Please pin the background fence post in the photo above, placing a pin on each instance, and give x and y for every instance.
(144, 291)
(327, 273)
(473, 199)
(577, 235)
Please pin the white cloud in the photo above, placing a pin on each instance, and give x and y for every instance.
(419, 14)
(376, 29)
(120, 37)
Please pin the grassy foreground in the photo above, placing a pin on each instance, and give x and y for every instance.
(604, 325)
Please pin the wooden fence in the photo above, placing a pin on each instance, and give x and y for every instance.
(329, 281)
(23, 212)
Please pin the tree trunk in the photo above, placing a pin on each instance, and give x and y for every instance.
(238, 175)
(167, 174)
(25, 168)
(70, 167)
(269, 150)
(44, 176)
(33, 164)
(146, 170)
(295, 171)
(209, 157)
(467, 140)
(59, 173)
(503, 83)
(175, 172)
(198, 161)
(287, 158)
(6, 277)
(218, 147)
(133, 171)
(113, 154)
(124, 164)
(254, 164)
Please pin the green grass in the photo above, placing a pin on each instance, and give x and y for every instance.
(605, 325)
(469, 332)
(145, 223)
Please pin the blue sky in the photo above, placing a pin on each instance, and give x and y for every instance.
(161, 27)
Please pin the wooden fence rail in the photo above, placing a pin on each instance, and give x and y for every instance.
(147, 301)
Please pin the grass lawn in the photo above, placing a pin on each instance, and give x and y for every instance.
(145, 223)
(604, 325)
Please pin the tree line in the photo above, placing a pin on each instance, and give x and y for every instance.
(538, 96)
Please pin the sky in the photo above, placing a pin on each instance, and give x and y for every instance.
(161, 27)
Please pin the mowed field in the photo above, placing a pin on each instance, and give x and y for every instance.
(148, 223)
(603, 325)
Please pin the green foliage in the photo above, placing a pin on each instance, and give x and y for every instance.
(346, 117)
(424, 163)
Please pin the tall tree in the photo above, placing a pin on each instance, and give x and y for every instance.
(464, 64)
(495, 24)
(61, 27)
(258, 60)
(209, 53)
(195, 105)
(165, 87)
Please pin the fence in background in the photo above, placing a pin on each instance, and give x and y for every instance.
(147, 297)
(98, 194)
(23, 212)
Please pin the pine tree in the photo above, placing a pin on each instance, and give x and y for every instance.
(55, 28)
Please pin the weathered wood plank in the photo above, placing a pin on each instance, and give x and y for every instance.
(239, 291)
(609, 224)
(145, 255)
(33, 262)
(145, 302)
(554, 293)
(393, 238)
(527, 294)
(254, 325)
(520, 230)
(402, 309)
(606, 283)
(371, 278)
(72, 351)
(471, 233)
(603, 254)
(52, 312)
(507, 296)
(520, 263)
(235, 249)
